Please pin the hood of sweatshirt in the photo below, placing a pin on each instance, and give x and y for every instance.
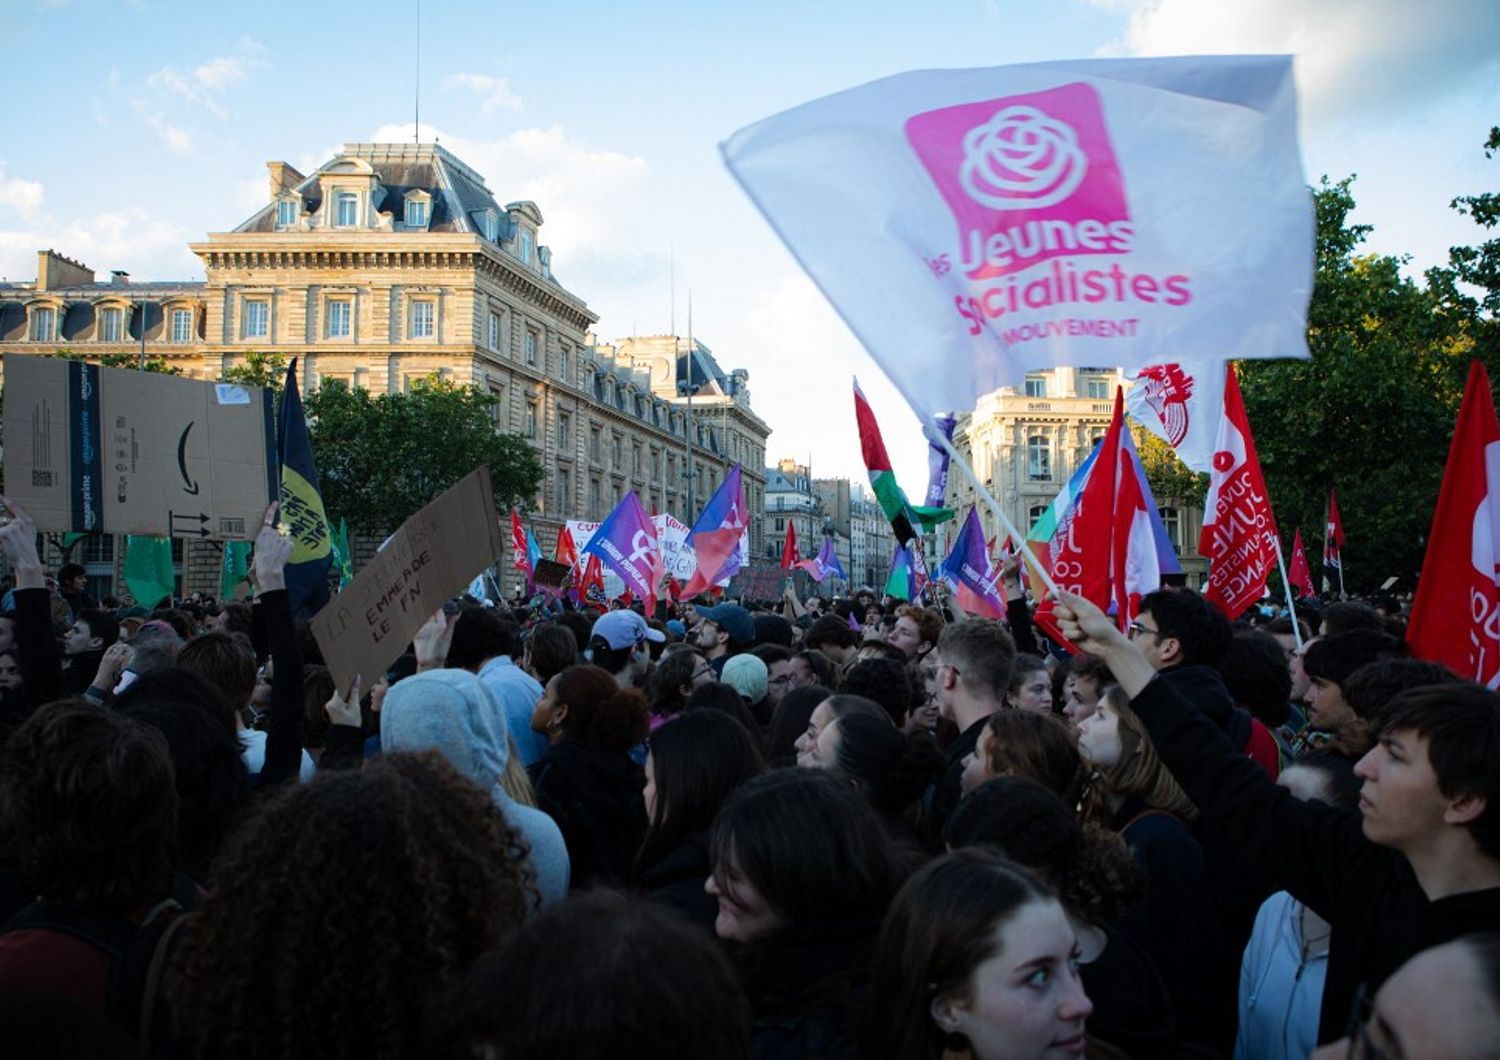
(452, 713)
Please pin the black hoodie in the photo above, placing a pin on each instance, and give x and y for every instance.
(594, 795)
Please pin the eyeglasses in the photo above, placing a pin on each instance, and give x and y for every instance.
(1361, 1045)
(707, 671)
(1136, 628)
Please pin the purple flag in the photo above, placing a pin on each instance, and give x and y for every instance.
(626, 543)
(968, 570)
(937, 463)
(825, 563)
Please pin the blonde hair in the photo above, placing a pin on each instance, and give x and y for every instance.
(514, 781)
(1140, 771)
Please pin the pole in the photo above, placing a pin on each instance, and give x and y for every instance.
(688, 424)
(936, 437)
(143, 334)
(1290, 596)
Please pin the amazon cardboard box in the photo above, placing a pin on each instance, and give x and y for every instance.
(127, 452)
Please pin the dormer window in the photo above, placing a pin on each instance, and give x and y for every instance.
(490, 222)
(525, 247)
(346, 209)
(418, 209)
(109, 324)
(43, 324)
(286, 213)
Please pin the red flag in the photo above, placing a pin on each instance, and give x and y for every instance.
(789, 556)
(1333, 544)
(566, 552)
(1455, 618)
(520, 558)
(1300, 576)
(593, 578)
(1239, 529)
(1137, 567)
(1083, 556)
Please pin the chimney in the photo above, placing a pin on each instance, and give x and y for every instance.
(283, 177)
(119, 278)
(53, 271)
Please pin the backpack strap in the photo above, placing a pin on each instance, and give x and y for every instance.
(151, 994)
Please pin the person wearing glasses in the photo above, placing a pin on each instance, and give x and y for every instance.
(1416, 865)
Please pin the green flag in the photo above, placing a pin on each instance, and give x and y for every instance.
(148, 569)
(71, 538)
(236, 567)
(343, 560)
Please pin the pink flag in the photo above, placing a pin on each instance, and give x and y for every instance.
(1239, 529)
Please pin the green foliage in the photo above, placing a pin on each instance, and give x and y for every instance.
(382, 457)
(258, 369)
(1371, 413)
(1172, 482)
(160, 365)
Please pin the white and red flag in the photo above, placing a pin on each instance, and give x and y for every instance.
(520, 549)
(1333, 545)
(1299, 575)
(1455, 618)
(1239, 529)
(1181, 404)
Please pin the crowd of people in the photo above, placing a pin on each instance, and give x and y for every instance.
(848, 828)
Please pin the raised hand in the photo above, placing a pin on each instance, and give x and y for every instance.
(432, 640)
(18, 541)
(344, 709)
(273, 547)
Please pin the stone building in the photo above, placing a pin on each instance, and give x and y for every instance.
(856, 516)
(1024, 447)
(389, 263)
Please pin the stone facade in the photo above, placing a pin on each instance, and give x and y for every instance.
(392, 262)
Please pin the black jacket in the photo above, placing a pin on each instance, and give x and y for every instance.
(1369, 893)
(676, 880)
(594, 795)
(806, 989)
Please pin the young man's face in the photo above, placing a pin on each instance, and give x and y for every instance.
(1326, 707)
(1400, 800)
(78, 639)
(906, 636)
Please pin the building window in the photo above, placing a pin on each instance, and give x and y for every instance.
(525, 247)
(42, 326)
(594, 496)
(562, 363)
(530, 346)
(182, 325)
(257, 319)
(491, 226)
(416, 213)
(635, 460)
(420, 321)
(564, 492)
(615, 460)
(109, 325)
(346, 209)
(1038, 458)
(1097, 388)
(1173, 523)
(1034, 513)
(1036, 386)
(494, 332)
(286, 213)
(531, 419)
(1096, 435)
(594, 439)
(564, 430)
(339, 316)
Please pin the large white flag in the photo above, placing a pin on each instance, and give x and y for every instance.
(1182, 405)
(972, 224)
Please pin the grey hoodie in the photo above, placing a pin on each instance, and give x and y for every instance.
(451, 712)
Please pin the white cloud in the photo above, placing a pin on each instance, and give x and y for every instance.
(494, 92)
(205, 83)
(174, 136)
(22, 196)
(1351, 55)
(149, 246)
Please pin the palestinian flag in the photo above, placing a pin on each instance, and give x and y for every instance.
(905, 517)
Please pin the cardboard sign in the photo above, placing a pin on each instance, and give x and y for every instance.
(434, 555)
(550, 574)
(127, 452)
(759, 583)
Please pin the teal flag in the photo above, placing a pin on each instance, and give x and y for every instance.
(343, 559)
(236, 568)
(148, 569)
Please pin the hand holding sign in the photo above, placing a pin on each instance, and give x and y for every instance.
(18, 541)
(273, 547)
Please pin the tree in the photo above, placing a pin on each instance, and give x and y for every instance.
(383, 457)
(1171, 481)
(160, 365)
(258, 369)
(1371, 412)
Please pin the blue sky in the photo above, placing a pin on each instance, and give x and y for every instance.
(148, 123)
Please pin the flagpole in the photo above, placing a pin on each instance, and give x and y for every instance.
(1290, 597)
(936, 437)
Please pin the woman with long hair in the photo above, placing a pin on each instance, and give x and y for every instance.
(1030, 685)
(889, 767)
(1023, 743)
(692, 767)
(587, 781)
(802, 872)
(672, 681)
(978, 960)
(340, 909)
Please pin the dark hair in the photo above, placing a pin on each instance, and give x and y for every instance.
(811, 846)
(1371, 687)
(87, 808)
(317, 690)
(238, 618)
(772, 653)
(941, 927)
(209, 774)
(1040, 747)
(624, 980)
(1256, 673)
(822, 667)
(1337, 772)
(69, 571)
(181, 622)
(983, 653)
(600, 712)
(673, 671)
(612, 660)
(892, 768)
(1461, 724)
(789, 721)
(578, 624)
(552, 649)
(221, 660)
(1199, 627)
(879, 649)
(295, 952)
(886, 681)
(1282, 626)
(723, 698)
(696, 761)
(831, 630)
(101, 624)
(1345, 616)
(479, 633)
(1088, 865)
(1335, 657)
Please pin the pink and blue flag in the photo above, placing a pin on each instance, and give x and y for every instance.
(627, 544)
(715, 537)
(825, 563)
(968, 570)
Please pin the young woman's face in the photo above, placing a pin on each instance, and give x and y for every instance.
(1099, 738)
(977, 768)
(807, 743)
(648, 793)
(10, 673)
(1034, 693)
(1026, 1002)
(547, 708)
(744, 914)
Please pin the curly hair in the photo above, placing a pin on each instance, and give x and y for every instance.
(341, 908)
(600, 711)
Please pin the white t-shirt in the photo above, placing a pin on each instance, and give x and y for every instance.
(253, 741)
